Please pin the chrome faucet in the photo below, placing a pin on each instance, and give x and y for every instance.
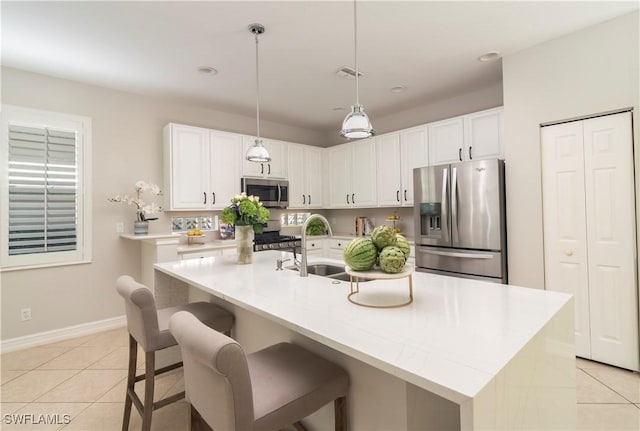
(303, 245)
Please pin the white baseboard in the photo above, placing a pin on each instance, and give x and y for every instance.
(61, 334)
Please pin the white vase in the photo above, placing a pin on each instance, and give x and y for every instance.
(140, 227)
(244, 241)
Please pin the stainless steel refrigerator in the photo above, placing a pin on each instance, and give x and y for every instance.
(460, 220)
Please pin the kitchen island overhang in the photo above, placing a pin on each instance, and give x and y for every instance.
(503, 354)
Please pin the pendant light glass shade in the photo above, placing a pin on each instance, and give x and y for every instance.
(257, 152)
(356, 124)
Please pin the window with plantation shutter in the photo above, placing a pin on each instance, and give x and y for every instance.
(44, 199)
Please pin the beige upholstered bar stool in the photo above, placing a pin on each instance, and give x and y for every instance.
(266, 390)
(149, 328)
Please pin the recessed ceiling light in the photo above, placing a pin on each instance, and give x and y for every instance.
(208, 70)
(398, 89)
(489, 56)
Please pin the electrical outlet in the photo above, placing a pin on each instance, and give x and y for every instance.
(119, 227)
(25, 314)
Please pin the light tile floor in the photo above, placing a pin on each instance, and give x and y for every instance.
(85, 378)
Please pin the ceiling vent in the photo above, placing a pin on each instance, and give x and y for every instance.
(347, 72)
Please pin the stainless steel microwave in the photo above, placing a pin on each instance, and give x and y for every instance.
(272, 193)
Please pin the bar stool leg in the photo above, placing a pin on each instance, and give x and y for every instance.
(340, 412)
(149, 382)
(131, 379)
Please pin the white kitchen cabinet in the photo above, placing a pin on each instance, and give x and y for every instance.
(305, 176)
(398, 154)
(590, 230)
(276, 168)
(469, 137)
(352, 174)
(316, 246)
(202, 167)
(230, 251)
(336, 248)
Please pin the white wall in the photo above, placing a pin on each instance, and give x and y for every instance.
(127, 146)
(590, 71)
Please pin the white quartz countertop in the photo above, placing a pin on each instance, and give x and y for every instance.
(452, 340)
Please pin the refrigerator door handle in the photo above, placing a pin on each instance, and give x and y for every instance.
(454, 254)
(454, 206)
(444, 212)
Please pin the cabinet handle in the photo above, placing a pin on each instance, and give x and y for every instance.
(353, 198)
(309, 199)
(347, 197)
(460, 153)
(303, 199)
(470, 158)
(205, 197)
(398, 195)
(213, 196)
(262, 168)
(569, 253)
(405, 195)
(269, 166)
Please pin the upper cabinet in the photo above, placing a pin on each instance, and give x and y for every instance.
(305, 176)
(276, 168)
(352, 174)
(469, 137)
(398, 154)
(202, 167)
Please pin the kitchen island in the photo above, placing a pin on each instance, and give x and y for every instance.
(464, 355)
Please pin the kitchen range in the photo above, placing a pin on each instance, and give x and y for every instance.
(459, 216)
(270, 239)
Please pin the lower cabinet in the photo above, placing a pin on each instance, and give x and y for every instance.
(208, 253)
(315, 247)
(336, 248)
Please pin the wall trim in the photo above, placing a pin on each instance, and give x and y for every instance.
(47, 337)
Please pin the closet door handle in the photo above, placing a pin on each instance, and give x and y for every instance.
(460, 154)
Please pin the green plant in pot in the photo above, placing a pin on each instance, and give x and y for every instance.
(316, 227)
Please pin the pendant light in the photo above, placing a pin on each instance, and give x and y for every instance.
(257, 152)
(356, 124)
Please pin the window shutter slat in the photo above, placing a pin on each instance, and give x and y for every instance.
(42, 190)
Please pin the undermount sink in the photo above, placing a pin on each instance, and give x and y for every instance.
(335, 272)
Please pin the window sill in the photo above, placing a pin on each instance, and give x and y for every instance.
(39, 266)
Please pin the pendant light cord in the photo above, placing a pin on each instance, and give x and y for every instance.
(257, 89)
(355, 44)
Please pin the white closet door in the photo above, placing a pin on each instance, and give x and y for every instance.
(608, 158)
(565, 237)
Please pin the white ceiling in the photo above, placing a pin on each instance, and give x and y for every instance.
(155, 48)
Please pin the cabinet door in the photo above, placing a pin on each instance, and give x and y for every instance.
(313, 176)
(446, 141)
(565, 247)
(297, 192)
(609, 187)
(388, 166)
(188, 152)
(414, 154)
(226, 153)
(339, 161)
(363, 170)
(483, 135)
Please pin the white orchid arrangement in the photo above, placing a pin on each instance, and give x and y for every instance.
(142, 208)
